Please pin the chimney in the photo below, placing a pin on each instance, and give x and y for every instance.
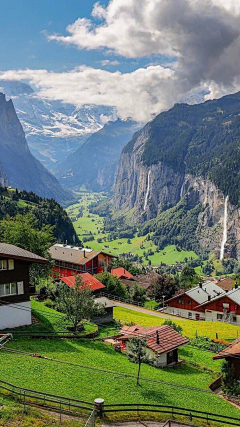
(157, 334)
(209, 297)
(84, 253)
(200, 285)
(236, 285)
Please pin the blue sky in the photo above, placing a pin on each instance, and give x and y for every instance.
(24, 24)
(163, 51)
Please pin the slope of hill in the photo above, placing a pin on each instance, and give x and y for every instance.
(21, 168)
(45, 211)
(94, 163)
(53, 129)
(188, 150)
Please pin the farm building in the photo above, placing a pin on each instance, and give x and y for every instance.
(162, 342)
(15, 289)
(88, 280)
(107, 317)
(187, 303)
(69, 260)
(232, 355)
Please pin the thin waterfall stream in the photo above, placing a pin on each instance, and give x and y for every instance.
(148, 189)
(224, 239)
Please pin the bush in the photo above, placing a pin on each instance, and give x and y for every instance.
(173, 325)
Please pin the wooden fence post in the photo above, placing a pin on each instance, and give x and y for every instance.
(99, 406)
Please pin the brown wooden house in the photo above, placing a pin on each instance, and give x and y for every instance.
(162, 342)
(232, 355)
(15, 288)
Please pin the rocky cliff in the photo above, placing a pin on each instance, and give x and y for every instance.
(20, 167)
(94, 163)
(189, 152)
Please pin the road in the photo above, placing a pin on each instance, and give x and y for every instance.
(145, 311)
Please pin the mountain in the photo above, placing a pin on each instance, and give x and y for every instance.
(94, 163)
(20, 167)
(180, 176)
(53, 129)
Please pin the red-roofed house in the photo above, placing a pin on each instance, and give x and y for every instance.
(232, 355)
(89, 280)
(162, 342)
(121, 273)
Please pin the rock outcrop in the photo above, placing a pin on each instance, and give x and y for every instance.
(20, 167)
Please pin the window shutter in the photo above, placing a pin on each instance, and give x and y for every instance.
(20, 288)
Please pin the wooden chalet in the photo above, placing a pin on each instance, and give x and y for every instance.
(121, 273)
(88, 280)
(162, 342)
(69, 260)
(232, 355)
(15, 288)
(224, 307)
(188, 302)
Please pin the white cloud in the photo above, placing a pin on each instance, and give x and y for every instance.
(140, 94)
(107, 62)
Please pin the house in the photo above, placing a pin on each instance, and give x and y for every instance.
(121, 273)
(15, 289)
(147, 280)
(107, 317)
(69, 260)
(224, 307)
(90, 281)
(187, 303)
(225, 283)
(162, 342)
(232, 355)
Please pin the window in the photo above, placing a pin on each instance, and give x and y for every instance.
(189, 302)
(8, 289)
(11, 264)
(189, 314)
(234, 319)
(3, 264)
(219, 316)
(20, 288)
(181, 301)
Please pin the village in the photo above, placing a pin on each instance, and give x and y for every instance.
(118, 321)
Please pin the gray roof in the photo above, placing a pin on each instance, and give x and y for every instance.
(200, 295)
(234, 295)
(105, 301)
(72, 254)
(11, 251)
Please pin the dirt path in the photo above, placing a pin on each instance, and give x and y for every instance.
(146, 311)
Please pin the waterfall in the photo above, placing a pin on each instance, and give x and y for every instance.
(147, 193)
(224, 239)
(181, 191)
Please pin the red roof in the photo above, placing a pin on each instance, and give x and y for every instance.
(88, 280)
(160, 339)
(121, 272)
(232, 350)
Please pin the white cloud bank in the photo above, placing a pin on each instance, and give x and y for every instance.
(203, 36)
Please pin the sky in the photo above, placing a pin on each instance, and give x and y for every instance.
(139, 56)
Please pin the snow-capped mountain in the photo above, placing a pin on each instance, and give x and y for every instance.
(53, 129)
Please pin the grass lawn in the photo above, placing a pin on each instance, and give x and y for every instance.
(85, 369)
(12, 415)
(208, 329)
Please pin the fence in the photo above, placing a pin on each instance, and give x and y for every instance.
(77, 407)
(173, 411)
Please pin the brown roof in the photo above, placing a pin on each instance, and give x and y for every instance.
(232, 350)
(168, 338)
(226, 283)
(11, 251)
(146, 280)
(72, 254)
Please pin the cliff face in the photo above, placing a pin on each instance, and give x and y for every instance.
(3, 179)
(22, 170)
(189, 151)
(94, 163)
